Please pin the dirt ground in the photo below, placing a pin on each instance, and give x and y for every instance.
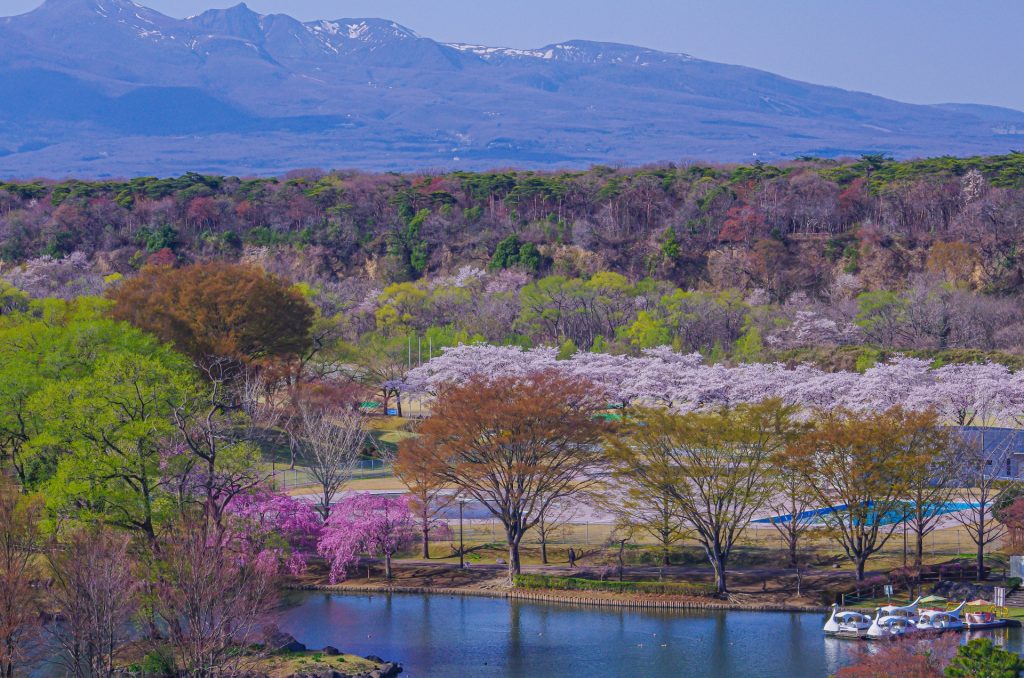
(748, 586)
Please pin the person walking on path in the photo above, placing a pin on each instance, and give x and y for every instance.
(572, 557)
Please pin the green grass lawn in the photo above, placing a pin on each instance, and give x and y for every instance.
(311, 663)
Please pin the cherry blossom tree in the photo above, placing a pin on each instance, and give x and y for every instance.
(962, 394)
(972, 393)
(903, 382)
(367, 523)
(275, 525)
(812, 329)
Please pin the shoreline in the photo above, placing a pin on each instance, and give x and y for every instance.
(567, 598)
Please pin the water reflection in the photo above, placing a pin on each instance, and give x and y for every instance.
(493, 638)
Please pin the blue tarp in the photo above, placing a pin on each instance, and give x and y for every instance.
(816, 515)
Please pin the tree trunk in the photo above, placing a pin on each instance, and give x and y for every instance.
(919, 551)
(622, 547)
(860, 562)
(325, 507)
(513, 560)
(718, 563)
(387, 566)
(426, 540)
(981, 559)
(792, 550)
(664, 556)
(544, 549)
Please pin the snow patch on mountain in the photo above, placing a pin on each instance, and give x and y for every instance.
(487, 52)
(357, 31)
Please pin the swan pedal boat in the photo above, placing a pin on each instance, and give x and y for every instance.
(885, 627)
(847, 623)
(941, 620)
(907, 611)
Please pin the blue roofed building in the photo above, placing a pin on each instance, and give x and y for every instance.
(1003, 447)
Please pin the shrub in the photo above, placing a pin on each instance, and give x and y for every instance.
(158, 663)
(979, 657)
(540, 581)
(903, 658)
(1014, 583)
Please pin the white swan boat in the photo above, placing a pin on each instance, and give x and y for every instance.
(941, 620)
(885, 627)
(847, 623)
(907, 611)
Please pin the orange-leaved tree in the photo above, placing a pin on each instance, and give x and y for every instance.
(514, 444)
(422, 474)
(216, 312)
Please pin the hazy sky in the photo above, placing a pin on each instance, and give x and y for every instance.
(923, 51)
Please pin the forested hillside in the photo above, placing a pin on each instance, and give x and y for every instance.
(732, 260)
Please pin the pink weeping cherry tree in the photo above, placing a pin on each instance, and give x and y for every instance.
(276, 527)
(374, 524)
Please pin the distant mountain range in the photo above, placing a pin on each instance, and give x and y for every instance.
(109, 87)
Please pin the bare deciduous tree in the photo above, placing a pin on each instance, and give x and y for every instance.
(213, 593)
(791, 502)
(19, 604)
(332, 442)
(553, 520)
(979, 471)
(431, 497)
(932, 470)
(219, 424)
(97, 592)
(645, 507)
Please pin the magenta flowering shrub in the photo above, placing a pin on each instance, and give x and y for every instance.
(374, 524)
(278, 527)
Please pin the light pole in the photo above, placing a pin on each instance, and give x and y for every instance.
(904, 535)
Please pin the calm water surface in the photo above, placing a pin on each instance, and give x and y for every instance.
(451, 637)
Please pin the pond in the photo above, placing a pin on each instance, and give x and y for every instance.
(446, 636)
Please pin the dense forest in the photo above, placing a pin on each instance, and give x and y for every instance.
(732, 260)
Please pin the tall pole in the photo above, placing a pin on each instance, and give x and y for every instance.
(904, 536)
(462, 549)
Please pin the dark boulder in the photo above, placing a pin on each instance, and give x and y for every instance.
(279, 641)
(331, 673)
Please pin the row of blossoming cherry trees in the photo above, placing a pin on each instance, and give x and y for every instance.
(962, 394)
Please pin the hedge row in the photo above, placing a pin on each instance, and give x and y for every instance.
(540, 581)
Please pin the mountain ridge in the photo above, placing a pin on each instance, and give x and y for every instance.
(264, 93)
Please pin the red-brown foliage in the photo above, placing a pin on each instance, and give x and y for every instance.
(908, 658)
(216, 311)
